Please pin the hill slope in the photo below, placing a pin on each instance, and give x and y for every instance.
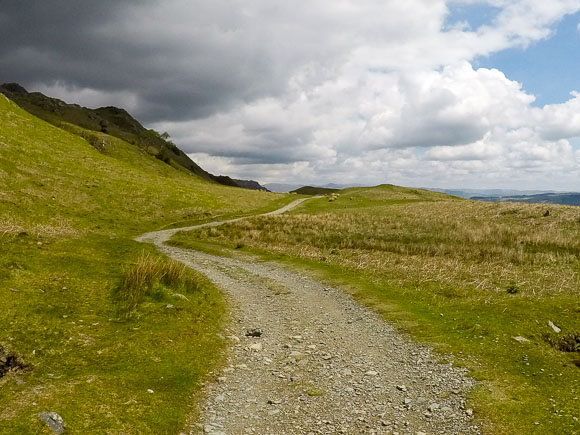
(111, 120)
(68, 216)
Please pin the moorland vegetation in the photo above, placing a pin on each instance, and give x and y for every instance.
(479, 281)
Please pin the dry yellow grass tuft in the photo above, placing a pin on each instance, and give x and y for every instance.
(57, 227)
(149, 271)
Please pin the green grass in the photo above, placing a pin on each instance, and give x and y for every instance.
(89, 363)
(463, 276)
(68, 216)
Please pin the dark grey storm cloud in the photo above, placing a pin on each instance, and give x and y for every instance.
(190, 71)
(52, 40)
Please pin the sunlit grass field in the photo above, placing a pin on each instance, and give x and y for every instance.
(107, 355)
(478, 281)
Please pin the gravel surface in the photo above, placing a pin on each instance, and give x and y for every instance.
(306, 358)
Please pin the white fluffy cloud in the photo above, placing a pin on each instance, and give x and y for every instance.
(395, 98)
(346, 91)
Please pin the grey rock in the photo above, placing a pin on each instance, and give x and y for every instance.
(180, 296)
(211, 430)
(296, 355)
(256, 347)
(554, 327)
(255, 332)
(433, 407)
(274, 402)
(54, 421)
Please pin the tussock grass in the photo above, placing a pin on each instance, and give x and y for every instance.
(148, 272)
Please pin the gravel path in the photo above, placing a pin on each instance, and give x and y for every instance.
(305, 358)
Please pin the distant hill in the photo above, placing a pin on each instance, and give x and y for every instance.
(571, 198)
(250, 184)
(284, 188)
(311, 190)
(281, 187)
(471, 193)
(110, 120)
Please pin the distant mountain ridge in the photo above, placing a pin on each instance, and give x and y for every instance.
(570, 198)
(285, 188)
(250, 184)
(115, 122)
(480, 193)
(514, 195)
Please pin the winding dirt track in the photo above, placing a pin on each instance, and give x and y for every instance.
(322, 363)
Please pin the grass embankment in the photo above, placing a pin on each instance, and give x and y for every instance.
(464, 276)
(68, 216)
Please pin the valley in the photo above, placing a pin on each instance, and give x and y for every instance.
(417, 311)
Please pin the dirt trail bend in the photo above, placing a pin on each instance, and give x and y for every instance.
(305, 358)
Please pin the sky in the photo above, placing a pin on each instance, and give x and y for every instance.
(434, 93)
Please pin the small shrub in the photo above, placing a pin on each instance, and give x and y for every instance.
(564, 343)
(159, 293)
(162, 155)
(99, 143)
(10, 362)
(512, 288)
(315, 392)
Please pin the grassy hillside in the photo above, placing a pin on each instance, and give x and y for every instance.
(479, 281)
(110, 120)
(104, 356)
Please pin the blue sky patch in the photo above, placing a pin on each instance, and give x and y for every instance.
(548, 69)
(475, 15)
